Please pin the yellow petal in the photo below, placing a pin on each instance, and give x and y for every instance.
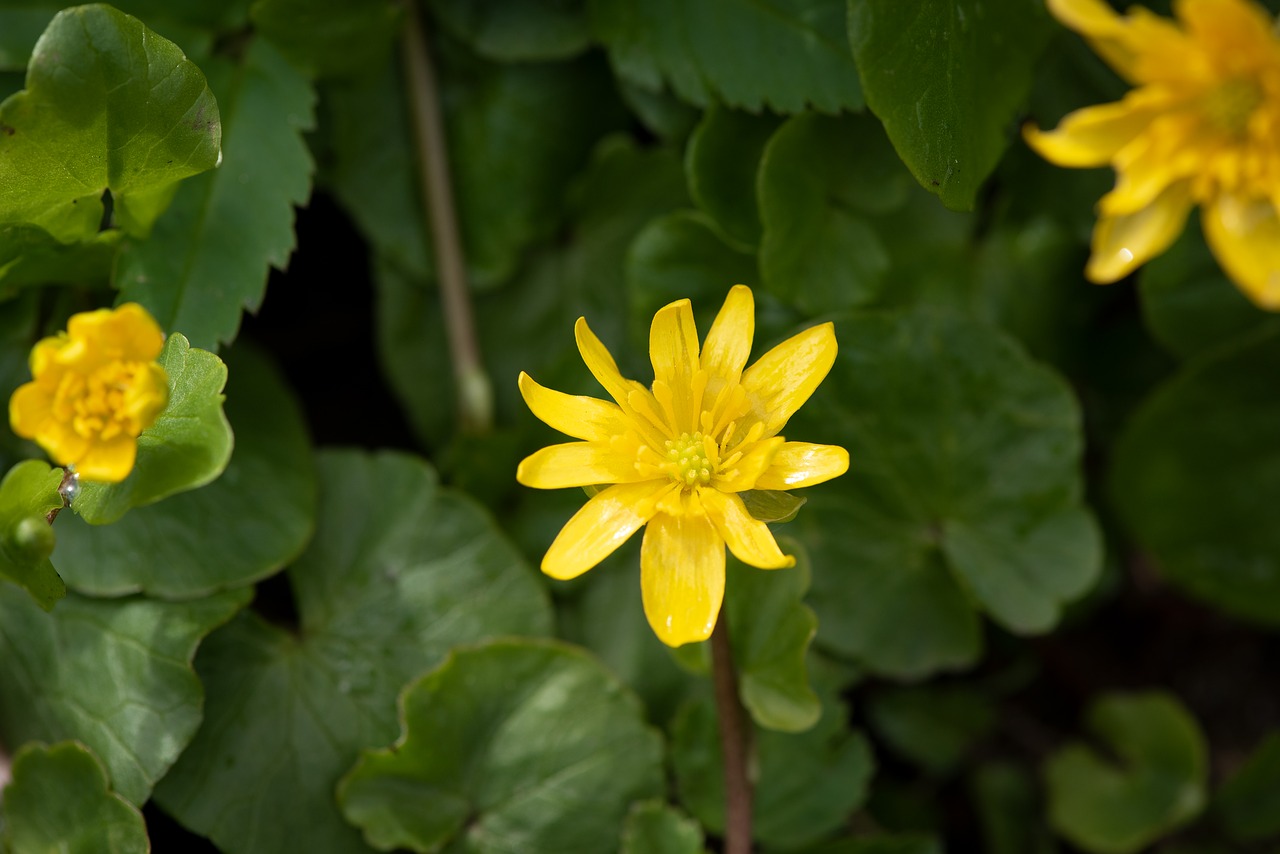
(127, 332)
(673, 343)
(1121, 244)
(146, 398)
(746, 472)
(574, 415)
(604, 523)
(1228, 28)
(601, 364)
(29, 409)
(748, 538)
(783, 379)
(728, 344)
(1093, 135)
(798, 464)
(1245, 238)
(109, 461)
(576, 464)
(1141, 47)
(44, 356)
(1171, 150)
(682, 577)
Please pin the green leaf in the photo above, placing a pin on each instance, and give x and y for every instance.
(713, 51)
(771, 629)
(808, 783)
(58, 800)
(655, 828)
(1159, 785)
(248, 523)
(114, 674)
(517, 30)
(398, 572)
(484, 760)
(881, 844)
(1195, 473)
(29, 255)
(933, 726)
(208, 258)
(660, 112)
(330, 37)
(721, 164)
(965, 492)
(1007, 803)
(28, 493)
(947, 78)
(187, 446)
(772, 505)
(1249, 802)
(109, 105)
(19, 30)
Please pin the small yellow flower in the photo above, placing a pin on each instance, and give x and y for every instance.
(1201, 127)
(678, 455)
(95, 388)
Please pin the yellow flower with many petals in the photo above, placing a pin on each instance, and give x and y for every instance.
(95, 388)
(679, 454)
(1201, 126)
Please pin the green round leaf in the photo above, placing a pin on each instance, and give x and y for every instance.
(1195, 474)
(28, 493)
(249, 522)
(330, 37)
(964, 492)
(109, 105)
(1007, 801)
(114, 674)
(188, 445)
(933, 726)
(947, 78)
(1159, 785)
(485, 758)
(518, 31)
(398, 572)
(59, 801)
(721, 164)
(656, 828)
(1249, 802)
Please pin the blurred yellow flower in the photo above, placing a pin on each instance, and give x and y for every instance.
(678, 455)
(95, 388)
(1201, 126)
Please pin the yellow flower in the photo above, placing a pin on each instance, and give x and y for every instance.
(679, 454)
(1201, 126)
(95, 388)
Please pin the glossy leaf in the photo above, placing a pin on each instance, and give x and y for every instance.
(1158, 785)
(721, 164)
(113, 674)
(330, 37)
(59, 800)
(399, 571)
(712, 51)
(947, 78)
(109, 105)
(655, 828)
(29, 255)
(964, 492)
(250, 521)
(28, 493)
(1192, 478)
(485, 762)
(518, 31)
(1249, 802)
(187, 446)
(208, 258)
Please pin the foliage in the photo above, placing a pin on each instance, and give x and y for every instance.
(311, 617)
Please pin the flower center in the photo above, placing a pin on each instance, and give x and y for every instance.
(97, 403)
(687, 460)
(1230, 105)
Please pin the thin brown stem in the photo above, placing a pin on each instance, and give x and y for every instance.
(735, 742)
(475, 395)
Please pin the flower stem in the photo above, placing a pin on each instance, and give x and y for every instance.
(735, 741)
(475, 394)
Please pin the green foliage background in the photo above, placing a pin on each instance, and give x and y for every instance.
(1036, 615)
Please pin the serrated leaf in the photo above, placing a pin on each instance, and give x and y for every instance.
(721, 164)
(933, 726)
(187, 446)
(114, 674)
(656, 828)
(109, 105)
(248, 523)
(1194, 473)
(1249, 802)
(947, 78)
(330, 37)
(965, 492)
(59, 800)
(808, 783)
(517, 30)
(484, 761)
(711, 51)
(398, 572)
(1159, 785)
(28, 493)
(208, 258)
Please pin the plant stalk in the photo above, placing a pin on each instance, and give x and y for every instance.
(735, 741)
(475, 393)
